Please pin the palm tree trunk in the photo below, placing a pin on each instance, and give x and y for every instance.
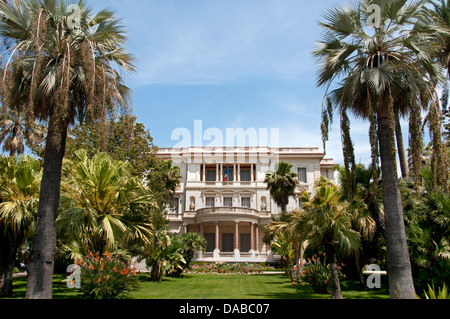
(401, 147)
(398, 261)
(362, 280)
(8, 252)
(374, 210)
(41, 268)
(336, 292)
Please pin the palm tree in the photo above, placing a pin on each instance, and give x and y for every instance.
(378, 64)
(428, 228)
(366, 190)
(15, 131)
(66, 71)
(19, 195)
(282, 184)
(328, 223)
(282, 235)
(439, 13)
(103, 208)
(11, 135)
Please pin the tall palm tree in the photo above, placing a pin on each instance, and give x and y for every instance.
(439, 13)
(378, 64)
(103, 208)
(328, 223)
(282, 184)
(65, 63)
(19, 196)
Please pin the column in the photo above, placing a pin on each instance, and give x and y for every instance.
(251, 173)
(239, 172)
(237, 253)
(204, 172)
(257, 237)
(217, 173)
(252, 238)
(216, 254)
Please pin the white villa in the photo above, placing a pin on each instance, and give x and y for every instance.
(223, 196)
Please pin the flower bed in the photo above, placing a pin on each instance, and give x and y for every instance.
(224, 268)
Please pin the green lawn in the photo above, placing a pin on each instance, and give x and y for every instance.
(216, 287)
(240, 287)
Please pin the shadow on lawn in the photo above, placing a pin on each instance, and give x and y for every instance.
(60, 289)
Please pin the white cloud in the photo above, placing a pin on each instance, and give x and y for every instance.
(210, 42)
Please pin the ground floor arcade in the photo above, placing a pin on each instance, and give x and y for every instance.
(232, 241)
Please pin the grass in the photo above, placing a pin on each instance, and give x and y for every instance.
(216, 287)
(241, 287)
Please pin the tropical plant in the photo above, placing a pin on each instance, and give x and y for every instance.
(19, 197)
(441, 293)
(102, 206)
(282, 184)
(366, 206)
(327, 223)
(12, 135)
(317, 274)
(284, 247)
(106, 277)
(188, 245)
(62, 66)
(380, 62)
(438, 12)
(427, 217)
(163, 255)
(282, 235)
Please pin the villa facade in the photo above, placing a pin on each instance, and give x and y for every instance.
(223, 196)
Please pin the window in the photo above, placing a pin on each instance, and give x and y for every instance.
(302, 175)
(175, 204)
(230, 176)
(210, 242)
(228, 201)
(211, 175)
(227, 243)
(245, 202)
(245, 175)
(210, 201)
(245, 243)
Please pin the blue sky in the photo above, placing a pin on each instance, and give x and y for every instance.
(231, 64)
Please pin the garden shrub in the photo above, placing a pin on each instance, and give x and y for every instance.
(106, 277)
(317, 274)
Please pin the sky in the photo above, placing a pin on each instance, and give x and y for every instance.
(230, 64)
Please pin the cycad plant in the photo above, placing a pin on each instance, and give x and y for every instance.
(62, 65)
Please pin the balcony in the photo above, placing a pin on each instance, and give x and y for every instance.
(227, 213)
